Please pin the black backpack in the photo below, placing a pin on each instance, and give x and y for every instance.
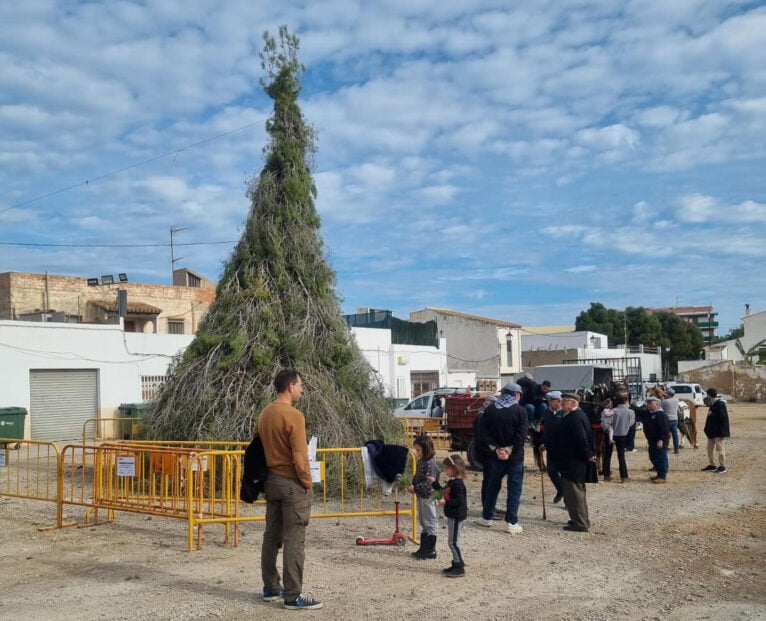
(253, 472)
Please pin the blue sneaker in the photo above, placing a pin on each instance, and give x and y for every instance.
(303, 603)
(272, 596)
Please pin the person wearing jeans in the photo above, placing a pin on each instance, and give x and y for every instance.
(503, 430)
(624, 418)
(656, 432)
(670, 407)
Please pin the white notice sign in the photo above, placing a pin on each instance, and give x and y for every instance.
(313, 443)
(317, 471)
(196, 463)
(126, 466)
(2, 458)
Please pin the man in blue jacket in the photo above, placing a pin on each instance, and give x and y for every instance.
(503, 430)
(657, 430)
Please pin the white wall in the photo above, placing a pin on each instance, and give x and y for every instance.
(121, 358)
(516, 341)
(395, 362)
(755, 329)
(564, 340)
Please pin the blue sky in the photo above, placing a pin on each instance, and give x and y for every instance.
(518, 162)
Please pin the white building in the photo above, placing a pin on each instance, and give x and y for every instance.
(407, 371)
(584, 345)
(65, 374)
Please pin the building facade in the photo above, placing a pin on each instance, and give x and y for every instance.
(151, 308)
(704, 317)
(477, 345)
(67, 374)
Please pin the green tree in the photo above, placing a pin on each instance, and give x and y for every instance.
(599, 318)
(679, 339)
(275, 304)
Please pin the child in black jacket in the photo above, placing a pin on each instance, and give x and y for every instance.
(455, 503)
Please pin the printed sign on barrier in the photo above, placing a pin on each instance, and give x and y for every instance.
(126, 466)
(2, 458)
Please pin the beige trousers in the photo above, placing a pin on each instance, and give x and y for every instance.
(716, 444)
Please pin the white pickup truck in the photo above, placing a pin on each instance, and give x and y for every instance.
(692, 392)
(422, 406)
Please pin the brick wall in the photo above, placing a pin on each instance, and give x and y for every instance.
(27, 292)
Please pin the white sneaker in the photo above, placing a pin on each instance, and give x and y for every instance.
(483, 522)
(513, 529)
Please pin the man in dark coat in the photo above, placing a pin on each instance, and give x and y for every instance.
(716, 429)
(657, 430)
(503, 429)
(550, 422)
(570, 448)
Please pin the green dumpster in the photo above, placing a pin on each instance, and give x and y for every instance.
(12, 423)
(133, 411)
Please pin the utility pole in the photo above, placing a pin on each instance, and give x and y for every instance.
(173, 260)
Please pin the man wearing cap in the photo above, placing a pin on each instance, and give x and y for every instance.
(656, 432)
(716, 429)
(670, 407)
(549, 426)
(503, 429)
(570, 450)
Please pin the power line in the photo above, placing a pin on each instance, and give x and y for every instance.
(210, 243)
(129, 167)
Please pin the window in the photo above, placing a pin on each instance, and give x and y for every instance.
(175, 326)
(682, 389)
(193, 281)
(509, 350)
(423, 381)
(418, 404)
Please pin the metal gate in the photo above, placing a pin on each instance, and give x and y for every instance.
(61, 400)
(621, 368)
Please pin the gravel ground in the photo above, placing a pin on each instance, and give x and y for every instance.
(692, 549)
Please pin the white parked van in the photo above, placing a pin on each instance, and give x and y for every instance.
(692, 392)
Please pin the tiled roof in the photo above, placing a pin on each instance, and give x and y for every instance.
(497, 322)
(134, 308)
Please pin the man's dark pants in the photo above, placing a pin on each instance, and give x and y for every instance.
(495, 470)
(619, 444)
(288, 507)
(659, 459)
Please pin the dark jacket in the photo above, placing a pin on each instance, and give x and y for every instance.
(572, 445)
(656, 426)
(504, 427)
(717, 421)
(549, 425)
(456, 499)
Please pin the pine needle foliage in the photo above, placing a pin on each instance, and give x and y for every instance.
(275, 305)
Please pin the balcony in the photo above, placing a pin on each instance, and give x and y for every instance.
(706, 324)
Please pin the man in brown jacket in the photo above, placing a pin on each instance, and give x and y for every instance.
(289, 491)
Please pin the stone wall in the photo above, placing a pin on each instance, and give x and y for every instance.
(21, 292)
(743, 382)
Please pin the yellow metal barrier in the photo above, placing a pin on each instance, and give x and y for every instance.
(197, 482)
(29, 470)
(432, 427)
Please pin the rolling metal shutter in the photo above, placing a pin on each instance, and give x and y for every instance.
(61, 400)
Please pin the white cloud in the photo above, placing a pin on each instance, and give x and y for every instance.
(565, 230)
(696, 208)
(580, 269)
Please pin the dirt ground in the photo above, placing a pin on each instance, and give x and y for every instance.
(692, 549)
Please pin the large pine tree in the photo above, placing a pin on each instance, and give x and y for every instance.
(275, 305)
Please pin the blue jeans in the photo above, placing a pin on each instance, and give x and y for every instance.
(673, 425)
(495, 471)
(659, 459)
